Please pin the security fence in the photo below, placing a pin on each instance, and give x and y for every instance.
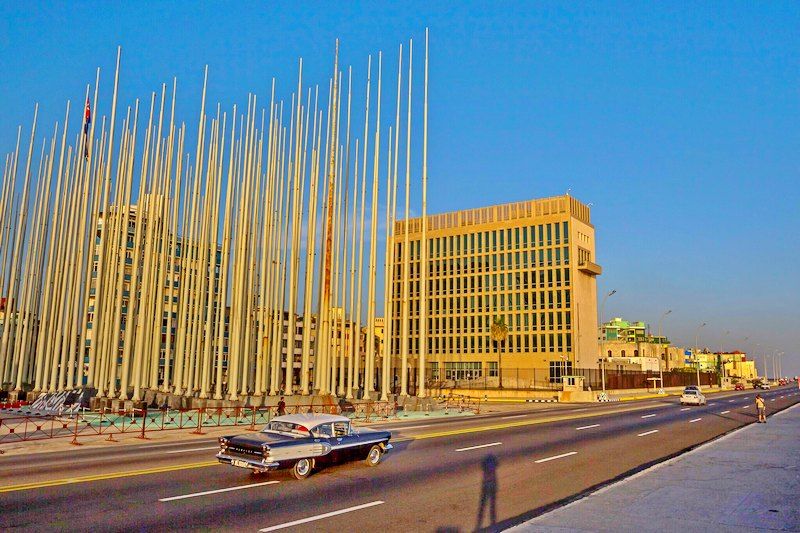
(549, 379)
(28, 427)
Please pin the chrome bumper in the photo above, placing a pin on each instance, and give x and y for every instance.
(243, 462)
(387, 447)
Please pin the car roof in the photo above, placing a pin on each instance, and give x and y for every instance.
(310, 420)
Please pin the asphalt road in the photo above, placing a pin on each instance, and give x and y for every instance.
(441, 476)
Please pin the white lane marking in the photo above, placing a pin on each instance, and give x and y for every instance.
(205, 493)
(194, 450)
(746, 397)
(695, 420)
(412, 427)
(772, 399)
(554, 457)
(781, 396)
(648, 416)
(724, 412)
(587, 427)
(581, 409)
(746, 407)
(731, 401)
(321, 516)
(513, 416)
(162, 445)
(685, 408)
(711, 404)
(646, 433)
(479, 446)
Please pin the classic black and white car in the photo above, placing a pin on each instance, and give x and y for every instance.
(302, 442)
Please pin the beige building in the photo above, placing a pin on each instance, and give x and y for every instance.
(532, 263)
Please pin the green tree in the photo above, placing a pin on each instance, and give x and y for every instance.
(499, 333)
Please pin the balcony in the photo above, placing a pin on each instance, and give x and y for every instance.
(587, 267)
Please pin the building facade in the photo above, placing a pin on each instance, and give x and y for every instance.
(530, 263)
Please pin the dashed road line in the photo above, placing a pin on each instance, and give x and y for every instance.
(587, 427)
(321, 516)
(478, 446)
(561, 456)
(695, 420)
(648, 416)
(217, 491)
(724, 412)
(646, 433)
(193, 450)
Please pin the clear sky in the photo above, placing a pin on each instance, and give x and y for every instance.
(679, 122)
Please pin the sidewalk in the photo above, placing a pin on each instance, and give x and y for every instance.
(748, 480)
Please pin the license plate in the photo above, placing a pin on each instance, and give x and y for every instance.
(239, 462)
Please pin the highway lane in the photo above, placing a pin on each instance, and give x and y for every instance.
(424, 484)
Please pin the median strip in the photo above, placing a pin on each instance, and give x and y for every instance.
(479, 446)
(320, 516)
(553, 458)
(217, 491)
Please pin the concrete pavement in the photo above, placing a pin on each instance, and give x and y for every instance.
(748, 480)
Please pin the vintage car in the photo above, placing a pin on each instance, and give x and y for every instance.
(302, 442)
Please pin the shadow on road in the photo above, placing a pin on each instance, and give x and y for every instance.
(488, 502)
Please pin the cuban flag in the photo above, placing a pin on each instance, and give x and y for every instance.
(87, 119)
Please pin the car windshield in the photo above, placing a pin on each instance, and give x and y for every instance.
(690, 392)
(287, 428)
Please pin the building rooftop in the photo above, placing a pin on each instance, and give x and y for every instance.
(555, 205)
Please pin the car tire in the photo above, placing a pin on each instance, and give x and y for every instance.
(374, 455)
(302, 468)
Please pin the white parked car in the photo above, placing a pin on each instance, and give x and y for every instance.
(692, 397)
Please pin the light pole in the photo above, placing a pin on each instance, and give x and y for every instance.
(663, 355)
(696, 360)
(612, 292)
(721, 360)
(774, 365)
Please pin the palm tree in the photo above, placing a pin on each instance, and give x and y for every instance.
(498, 333)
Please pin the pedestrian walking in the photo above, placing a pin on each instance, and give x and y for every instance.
(761, 407)
(281, 407)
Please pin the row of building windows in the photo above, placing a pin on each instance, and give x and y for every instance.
(487, 303)
(518, 238)
(489, 283)
(485, 263)
(481, 344)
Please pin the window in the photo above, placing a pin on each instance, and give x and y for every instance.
(493, 369)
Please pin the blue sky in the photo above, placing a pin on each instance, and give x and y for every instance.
(678, 121)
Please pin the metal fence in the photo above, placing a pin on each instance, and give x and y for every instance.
(544, 379)
(21, 427)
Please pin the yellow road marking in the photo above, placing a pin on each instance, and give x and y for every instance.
(433, 435)
(100, 477)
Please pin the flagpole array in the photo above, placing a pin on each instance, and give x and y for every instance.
(137, 266)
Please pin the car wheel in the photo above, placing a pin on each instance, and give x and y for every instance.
(374, 456)
(302, 468)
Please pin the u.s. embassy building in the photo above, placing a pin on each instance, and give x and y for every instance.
(531, 263)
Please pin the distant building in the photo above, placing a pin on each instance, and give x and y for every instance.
(627, 346)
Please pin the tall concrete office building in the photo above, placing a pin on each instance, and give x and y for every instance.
(532, 263)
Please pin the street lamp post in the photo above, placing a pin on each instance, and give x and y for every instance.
(612, 292)
(721, 360)
(663, 354)
(696, 359)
